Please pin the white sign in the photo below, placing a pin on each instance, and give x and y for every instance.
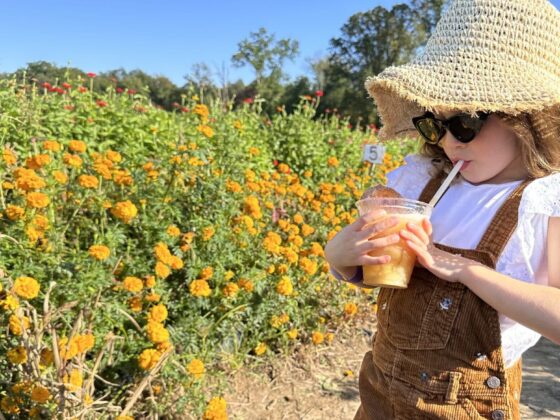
(374, 153)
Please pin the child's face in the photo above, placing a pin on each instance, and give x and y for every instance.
(494, 156)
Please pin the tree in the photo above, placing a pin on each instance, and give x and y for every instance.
(266, 56)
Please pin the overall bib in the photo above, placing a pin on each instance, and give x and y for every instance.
(437, 351)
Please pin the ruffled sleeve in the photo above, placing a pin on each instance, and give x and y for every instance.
(410, 179)
(524, 257)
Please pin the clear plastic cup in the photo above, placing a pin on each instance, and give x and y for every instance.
(396, 273)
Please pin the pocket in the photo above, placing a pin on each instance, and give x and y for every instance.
(434, 409)
(420, 317)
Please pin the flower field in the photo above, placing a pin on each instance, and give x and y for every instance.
(144, 253)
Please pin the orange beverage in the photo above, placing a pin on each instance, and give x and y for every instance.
(396, 273)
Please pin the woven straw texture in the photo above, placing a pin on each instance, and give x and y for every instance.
(484, 55)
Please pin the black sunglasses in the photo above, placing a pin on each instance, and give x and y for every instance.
(464, 127)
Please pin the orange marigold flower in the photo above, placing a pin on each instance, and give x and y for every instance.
(200, 288)
(206, 130)
(9, 156)
(113, 156)
(162, 270)
(37, 161)
(173, 230)
(37, 200)
(176, 263)
(148, 359)
(333, 161)
(206, 273)
(284, 286)
(317, 337)
(230, 289)
(51, 146)
(157, 333)
(246, 285)
(260, 349)
(158, 313)
(135, 304)
(292, 334)
(28, 180)
(26, 287)
(162, 253)
(133, 284)
(77, 146)
(150, 281)
(196, 368)
(207, 233)
(17, 355)
(99, 252)
(72, 160)
(14, 212)
(350, 309)
(216, 409)
(124, 211)
(18, 325)
(40, 394)
(88, 181)
(60, 177)
(74, 381)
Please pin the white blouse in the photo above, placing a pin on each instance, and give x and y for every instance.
(464, 213)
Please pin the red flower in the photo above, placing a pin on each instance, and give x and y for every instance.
(275, 162)
(82, 89)
(175, 105)
(66, 85)
(248, 100)
(47, 85)
(350, 126)
(60, 91)
(69, 107)
(91, 75)
(101, 103)
(184, 109)
(131, 92)
(319, 93)
(120, 90)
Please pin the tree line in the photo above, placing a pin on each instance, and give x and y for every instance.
(368, 43)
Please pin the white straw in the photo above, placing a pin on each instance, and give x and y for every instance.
(446, 183)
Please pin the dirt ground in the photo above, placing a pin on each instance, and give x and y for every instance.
(321, 382)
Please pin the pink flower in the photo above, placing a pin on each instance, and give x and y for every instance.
(248, 100)
(319, 93)
(120, 90)
(175, 105)
(91, 75)
(131, 92)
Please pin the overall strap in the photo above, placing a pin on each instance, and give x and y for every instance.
(431, 187)
(503, 224)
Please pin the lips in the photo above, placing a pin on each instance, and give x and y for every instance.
(465, 163)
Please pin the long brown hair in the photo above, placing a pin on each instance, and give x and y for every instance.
(539, 139)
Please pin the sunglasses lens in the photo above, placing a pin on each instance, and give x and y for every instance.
(429, 129)
(464, 128)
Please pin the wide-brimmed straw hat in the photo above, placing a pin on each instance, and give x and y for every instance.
(484, 55)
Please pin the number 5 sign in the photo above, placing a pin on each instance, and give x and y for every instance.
(374, 153)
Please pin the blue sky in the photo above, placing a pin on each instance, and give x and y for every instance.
(165, 37)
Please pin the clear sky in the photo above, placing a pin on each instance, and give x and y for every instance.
(165, 37)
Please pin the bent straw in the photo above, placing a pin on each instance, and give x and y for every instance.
(446, 183)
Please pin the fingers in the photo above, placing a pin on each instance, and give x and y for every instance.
(424, 257)
(378, 227)
(369, 260)
(370, 245)
(368, 218)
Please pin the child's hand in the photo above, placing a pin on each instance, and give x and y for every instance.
(443, 264)
(350, 246)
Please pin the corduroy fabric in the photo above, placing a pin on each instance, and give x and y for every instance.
(437, 351)
(484, 55)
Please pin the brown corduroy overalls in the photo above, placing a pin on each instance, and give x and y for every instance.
(437, 351)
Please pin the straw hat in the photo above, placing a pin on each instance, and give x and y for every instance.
(484, 55)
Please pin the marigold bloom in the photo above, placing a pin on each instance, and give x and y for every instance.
(150, 281)
(200, 288)
(162, 270)
(14, 212)
(333, 161)
(18, 325)
(329, 337)
(72, 160)
(9, 157)
(230, 289)
(202, 111)
(216, 409)
(196, 368)
(350, 309)
(173, 230)
(260, 349)
(51, 146)
(309, 266)
(37, 200)
(124, 211)
(292, 334)
(317, 337)
(252, 207)
(176, 263)
(80, 343)
(99, 252)
(228, 275)
(207, 233)
(206, 130)
(157, 333)
(284, 286)
(37, 161)
(246, 285)
(40, 394)
(17, 355)
(162, 253)
(26, 287)
(148, 359)
(74, 381)
(206, 273)
(113, 156)
(77, 146)
(60, 177)
(133, 284)
(158, 313)
(88, 181)
(135, 304)
(10, 303)
(28, 180)
(307, 230)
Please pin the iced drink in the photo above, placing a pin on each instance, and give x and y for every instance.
(397, 272)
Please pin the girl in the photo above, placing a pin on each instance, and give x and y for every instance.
(485, 90)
